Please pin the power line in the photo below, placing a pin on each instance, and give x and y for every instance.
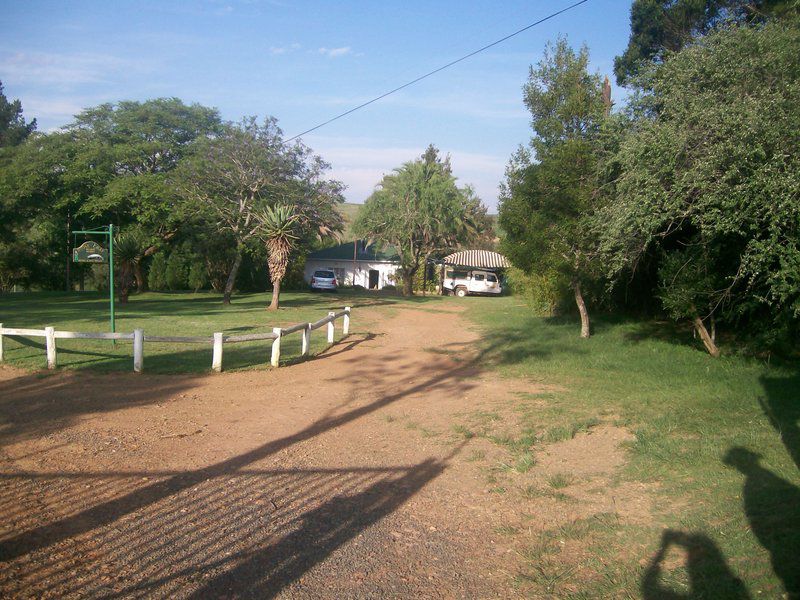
(442, 68)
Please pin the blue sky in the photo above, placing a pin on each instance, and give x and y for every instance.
(304, 62)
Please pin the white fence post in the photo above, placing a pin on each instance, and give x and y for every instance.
(330, 327)
(346, 321)
(1, 344)
(276, 347)
(305, 342)
(138, 350)
(216, 355)
(50, 337)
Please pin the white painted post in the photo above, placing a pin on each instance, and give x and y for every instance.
(216, 355)
(50, 336)
(330, 328)
(138, 350)
(305, 341)
(1, 344)
(346, 321)
(276, 347)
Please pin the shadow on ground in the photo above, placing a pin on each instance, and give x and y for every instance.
(708, 574)
(241, 527)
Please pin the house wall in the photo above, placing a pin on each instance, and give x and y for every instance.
(386, 271)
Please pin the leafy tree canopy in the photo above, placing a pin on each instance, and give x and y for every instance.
(550, 194)
(421, 211)
(711, 181)
(13, 128)
(659, 27)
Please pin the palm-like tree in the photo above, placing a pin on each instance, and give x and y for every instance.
(127, 253)
(279, 229)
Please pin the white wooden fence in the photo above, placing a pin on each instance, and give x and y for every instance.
(217, 340)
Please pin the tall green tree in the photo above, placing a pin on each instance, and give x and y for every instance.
(108, 166)
(661, 27)
(421, 211)
(13, 128)
(708, 180)
(230, 180)
(550, 196)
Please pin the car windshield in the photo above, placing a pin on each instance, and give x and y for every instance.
(324, 274)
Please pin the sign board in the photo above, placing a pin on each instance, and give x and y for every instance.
(90, 252)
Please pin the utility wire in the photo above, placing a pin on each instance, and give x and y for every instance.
(442, 68)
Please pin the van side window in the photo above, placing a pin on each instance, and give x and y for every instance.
(478, 277)
(491, 278)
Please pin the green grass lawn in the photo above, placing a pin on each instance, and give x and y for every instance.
(181, 314)
(697, 422)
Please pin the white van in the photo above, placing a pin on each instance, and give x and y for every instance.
(465, 282)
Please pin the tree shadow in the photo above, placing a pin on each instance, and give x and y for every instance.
(235, 527)
(39, 404)
(709, 574)
(781, 405)
(772, 507)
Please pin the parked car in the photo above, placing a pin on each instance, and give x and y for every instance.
(324, 280)
(463, 283)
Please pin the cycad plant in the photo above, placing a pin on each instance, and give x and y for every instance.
(127, 253)
(279, 229)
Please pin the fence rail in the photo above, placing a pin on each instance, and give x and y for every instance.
(217, 340)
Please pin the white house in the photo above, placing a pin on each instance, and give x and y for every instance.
(355, 263)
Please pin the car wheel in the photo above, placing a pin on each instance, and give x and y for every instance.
(461, 292)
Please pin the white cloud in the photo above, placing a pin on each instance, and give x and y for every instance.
(336, 52)
(277, 50)
(50, 112)
(362, 163)
(43, 68)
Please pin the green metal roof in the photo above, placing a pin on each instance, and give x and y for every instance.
(372, 253)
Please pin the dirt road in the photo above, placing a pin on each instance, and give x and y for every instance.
(339, 477)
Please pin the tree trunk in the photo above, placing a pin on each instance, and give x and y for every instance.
(141, 282)
(708, 342)
(585, 330)
(408, 283)
(226, 296)
(276, 294)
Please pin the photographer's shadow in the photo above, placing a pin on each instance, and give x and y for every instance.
(709, 575)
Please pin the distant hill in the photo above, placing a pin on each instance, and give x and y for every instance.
(349, 211)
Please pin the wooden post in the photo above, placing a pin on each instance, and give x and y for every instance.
(276, 347)
(50, 336)
(305, 341)
(1, 344)
(138, 350)
(346, 321)
(330, 328)
(216, 356)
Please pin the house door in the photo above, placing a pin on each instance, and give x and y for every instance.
(373, 279)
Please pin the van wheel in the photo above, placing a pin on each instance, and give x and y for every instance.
(461, 292)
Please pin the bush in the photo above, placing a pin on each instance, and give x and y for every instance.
(177, 272)
(542, 292)
(198, 278)
(156, 279)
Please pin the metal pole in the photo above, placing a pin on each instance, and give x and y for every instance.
(111, 276)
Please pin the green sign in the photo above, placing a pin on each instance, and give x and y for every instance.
(90, 252)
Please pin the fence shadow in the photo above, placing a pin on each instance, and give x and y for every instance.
(249, 533)
(237, 526)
